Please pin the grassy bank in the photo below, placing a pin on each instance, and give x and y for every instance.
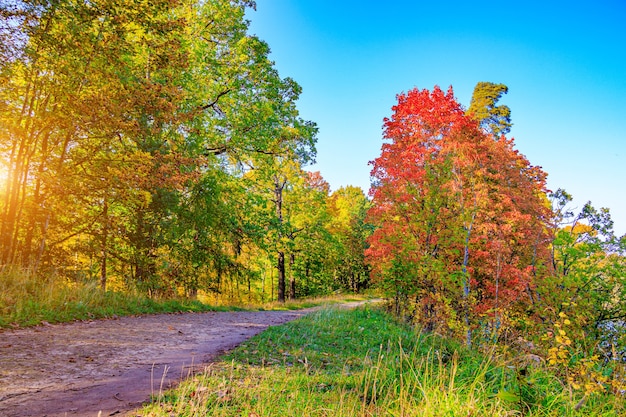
(28, 300)
(363, 363)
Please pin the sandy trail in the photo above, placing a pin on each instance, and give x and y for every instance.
(110, 367)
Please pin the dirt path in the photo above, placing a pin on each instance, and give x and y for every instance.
(113, 366)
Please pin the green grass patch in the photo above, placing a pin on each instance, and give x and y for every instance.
(364, 363)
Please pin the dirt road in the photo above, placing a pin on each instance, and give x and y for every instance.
(112, 366)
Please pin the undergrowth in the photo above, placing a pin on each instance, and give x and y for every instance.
(363, 363)
(28, 299)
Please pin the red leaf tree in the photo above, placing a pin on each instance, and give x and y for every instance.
(460, 216)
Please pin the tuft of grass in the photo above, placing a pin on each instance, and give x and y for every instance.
(364, 363)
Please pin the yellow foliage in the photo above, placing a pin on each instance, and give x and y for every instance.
(581, 373)
(581, 228)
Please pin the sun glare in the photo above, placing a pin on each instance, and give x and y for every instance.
(4, 174)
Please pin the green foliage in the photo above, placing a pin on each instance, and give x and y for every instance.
(493, 118)
(580, 304)
(348, 207)
(143, 141)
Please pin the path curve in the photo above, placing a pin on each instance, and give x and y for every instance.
(110, 367)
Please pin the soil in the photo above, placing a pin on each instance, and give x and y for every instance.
(111, 367)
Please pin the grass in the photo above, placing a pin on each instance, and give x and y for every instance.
(29, 300)
(363, 363)
(330, 363)
(26, 300)
(299, 304)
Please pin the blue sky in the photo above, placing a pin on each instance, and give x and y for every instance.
(564, 64)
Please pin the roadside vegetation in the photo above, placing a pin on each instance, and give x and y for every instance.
(363, 362)
(27, 299)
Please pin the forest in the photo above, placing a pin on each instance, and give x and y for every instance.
(152, 147)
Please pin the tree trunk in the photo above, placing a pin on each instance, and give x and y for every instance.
(466, 282)
(38, 207)
(278, 201)
(292, 280)
(105, 232)
(281, 276)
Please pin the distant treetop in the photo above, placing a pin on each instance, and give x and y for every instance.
(494, 119)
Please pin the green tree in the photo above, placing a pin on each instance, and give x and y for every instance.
(277, 180)
(85, 77)
(588, 273)
(128, 129)
(348, 207)
(580, 306)
(483, 107)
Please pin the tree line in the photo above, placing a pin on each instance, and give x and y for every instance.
(153, 146)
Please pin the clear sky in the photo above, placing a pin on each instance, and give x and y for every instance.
(563, 61)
